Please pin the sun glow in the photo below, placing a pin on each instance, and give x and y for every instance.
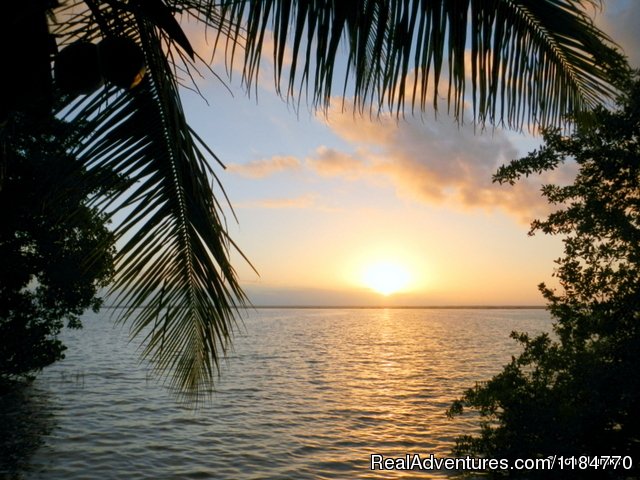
(386, 277)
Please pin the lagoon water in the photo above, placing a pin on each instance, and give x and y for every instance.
(304, 394)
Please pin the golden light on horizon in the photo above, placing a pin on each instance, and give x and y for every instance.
(386, 277)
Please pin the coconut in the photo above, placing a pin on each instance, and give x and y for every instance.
(121, 61)
(77, 69)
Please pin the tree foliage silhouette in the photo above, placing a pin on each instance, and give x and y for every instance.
(576, 391)
(56, 250)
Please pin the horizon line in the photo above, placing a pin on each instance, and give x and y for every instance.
(364, 307)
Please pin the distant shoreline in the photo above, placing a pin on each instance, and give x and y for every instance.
(401, 307)
(380, 307)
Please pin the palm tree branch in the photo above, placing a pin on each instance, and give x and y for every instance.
(175, 248)
(566, 67)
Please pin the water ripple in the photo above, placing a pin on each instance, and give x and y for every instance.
(305, 394)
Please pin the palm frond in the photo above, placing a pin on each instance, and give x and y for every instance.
(174, 262)
(527, 61)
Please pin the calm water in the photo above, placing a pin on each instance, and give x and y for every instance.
(305, 394)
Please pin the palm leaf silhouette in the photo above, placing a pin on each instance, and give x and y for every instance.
(174, 261)
(527, 61)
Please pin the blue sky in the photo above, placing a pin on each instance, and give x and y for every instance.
(321, 198)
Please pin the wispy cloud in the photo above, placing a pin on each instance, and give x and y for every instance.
(434, 161)
(331, 162)
(265, 167)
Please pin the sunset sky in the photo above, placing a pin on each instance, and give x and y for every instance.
(326, 205)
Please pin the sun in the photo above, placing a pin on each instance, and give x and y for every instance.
(386, 277)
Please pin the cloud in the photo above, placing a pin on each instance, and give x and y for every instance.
(330, 162)
(434, 162)
(265, 167)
